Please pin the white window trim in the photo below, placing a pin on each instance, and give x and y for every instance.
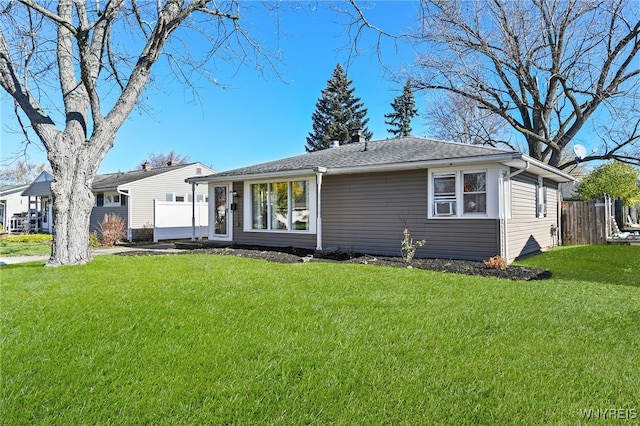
(313, 205)
(174, 197)
(491, 189)
(111, 203)
(541, 199)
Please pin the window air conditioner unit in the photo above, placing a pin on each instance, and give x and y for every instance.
(445, 208)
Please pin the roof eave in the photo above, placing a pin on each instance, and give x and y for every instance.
(544, 170)
(254, 176)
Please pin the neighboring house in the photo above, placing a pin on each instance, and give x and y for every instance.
(466, 201)
(39, 205)
(12, 203)
(133, 195)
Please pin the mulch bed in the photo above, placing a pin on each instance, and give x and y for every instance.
(292, 255)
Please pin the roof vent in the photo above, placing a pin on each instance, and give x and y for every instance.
(169, 163)
(334, 144)
(146, 166)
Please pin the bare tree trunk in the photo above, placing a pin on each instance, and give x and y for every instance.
(75, 165)
(72, 204)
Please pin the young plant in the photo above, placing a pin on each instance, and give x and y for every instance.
(496, 262)
(94, 240)
(408, 247)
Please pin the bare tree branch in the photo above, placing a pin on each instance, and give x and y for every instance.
(74, 58)
(47, 13)
(546, 68)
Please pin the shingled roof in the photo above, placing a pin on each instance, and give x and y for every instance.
(113, 180)
(386, 155)
(103, 182)
(387, 152)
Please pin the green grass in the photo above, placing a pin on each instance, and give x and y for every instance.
(609, 264)
(203, 339)
(25, 245)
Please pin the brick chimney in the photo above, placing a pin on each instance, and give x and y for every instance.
(356, 135)
(146, 166)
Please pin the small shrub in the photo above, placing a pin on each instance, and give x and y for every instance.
(28, 238)
(112, 229)
(496, 262)
(144, 234)
(408, 248)
(94, 240)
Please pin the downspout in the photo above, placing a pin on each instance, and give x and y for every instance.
(504, 205)
(560, 199)
(129, 230)
(504, 252)
(319, 173)
(193, 211)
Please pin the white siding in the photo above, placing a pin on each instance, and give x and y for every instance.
(527, 233)
(144, 191)
(13, 203)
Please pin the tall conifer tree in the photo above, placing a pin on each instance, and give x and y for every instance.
(404, 109)
(337, 113)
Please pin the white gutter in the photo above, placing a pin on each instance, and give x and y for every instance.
(523, 169)
(126, 194)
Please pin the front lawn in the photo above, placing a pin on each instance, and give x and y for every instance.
(209, 339)
(25, 245)
(610, 264)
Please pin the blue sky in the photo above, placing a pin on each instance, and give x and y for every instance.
(256, 118)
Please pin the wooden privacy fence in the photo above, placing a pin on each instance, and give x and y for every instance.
(586, 222)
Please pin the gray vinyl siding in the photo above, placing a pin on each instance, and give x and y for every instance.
(97, 216)
(144, 191)
(367, 213)
(266, 238)
(527, 233)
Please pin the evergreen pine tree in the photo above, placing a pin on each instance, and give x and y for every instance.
(337, 113)
(404, 109)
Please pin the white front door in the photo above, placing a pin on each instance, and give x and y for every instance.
(220, 214)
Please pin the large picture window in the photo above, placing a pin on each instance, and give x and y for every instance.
(280, 206)
(459, 193)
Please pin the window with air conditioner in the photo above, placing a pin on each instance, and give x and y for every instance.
(444, 194)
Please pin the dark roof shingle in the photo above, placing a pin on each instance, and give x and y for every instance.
(372, 153)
